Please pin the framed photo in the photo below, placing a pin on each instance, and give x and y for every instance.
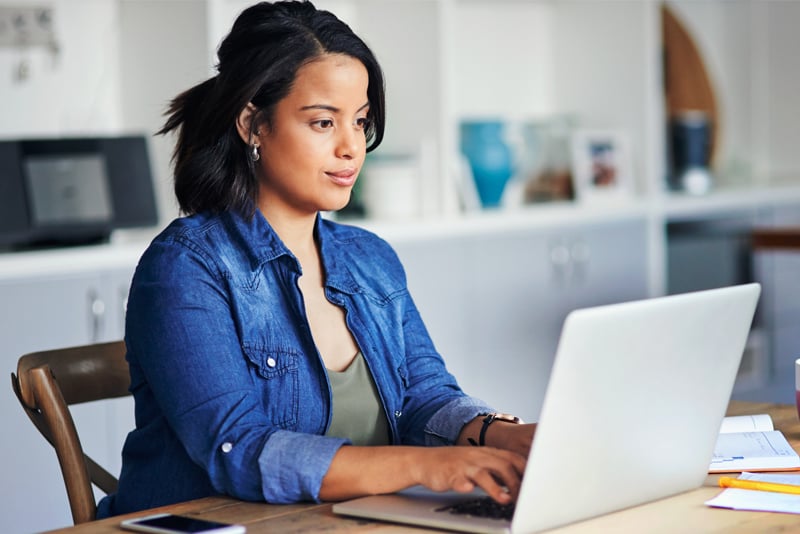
(601, 164)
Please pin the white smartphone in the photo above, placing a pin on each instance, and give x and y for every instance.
(179, 524)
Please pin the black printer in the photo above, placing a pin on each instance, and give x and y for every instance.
(66, 191)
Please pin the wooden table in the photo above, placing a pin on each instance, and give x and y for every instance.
(681, 513)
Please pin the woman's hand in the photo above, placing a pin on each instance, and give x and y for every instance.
(462, 469)
(510, 436)
(358, 471)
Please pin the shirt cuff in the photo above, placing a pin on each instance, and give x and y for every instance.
(446, 424)
(293, 464)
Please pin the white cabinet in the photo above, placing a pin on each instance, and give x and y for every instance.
(50, 301)
(50, 311)
(494, 300)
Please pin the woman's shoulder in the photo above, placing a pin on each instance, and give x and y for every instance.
(185, 238)
(189, 225)
(218, 230)
(184, 230)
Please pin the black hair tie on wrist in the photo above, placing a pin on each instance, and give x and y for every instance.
(488, 420)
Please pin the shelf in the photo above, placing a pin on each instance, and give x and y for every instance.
(545, 215)
(668, 207)
(677, 207)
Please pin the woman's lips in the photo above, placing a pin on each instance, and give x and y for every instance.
(345, 177)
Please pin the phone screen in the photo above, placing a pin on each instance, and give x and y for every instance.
(178, 523)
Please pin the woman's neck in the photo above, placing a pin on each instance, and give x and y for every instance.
(296, 232)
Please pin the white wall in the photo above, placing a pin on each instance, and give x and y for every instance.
(607, 87)
(783, 115)
(163, 52)
(75, 91)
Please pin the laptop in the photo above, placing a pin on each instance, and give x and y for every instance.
(631, 414)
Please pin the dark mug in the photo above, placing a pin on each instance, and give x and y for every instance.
(690, 141)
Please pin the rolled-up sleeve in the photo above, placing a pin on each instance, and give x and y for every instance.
(293, 465)
(446, 424)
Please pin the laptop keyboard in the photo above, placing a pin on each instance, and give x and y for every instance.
(481, 507)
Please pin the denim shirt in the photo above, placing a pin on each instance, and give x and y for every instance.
(231, 394)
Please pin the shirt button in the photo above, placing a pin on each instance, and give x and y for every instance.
(398, 413)
(271, 362)
(227, 447)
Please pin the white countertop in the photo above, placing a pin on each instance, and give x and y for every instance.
(119, 253)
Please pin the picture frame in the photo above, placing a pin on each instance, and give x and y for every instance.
(601, 165)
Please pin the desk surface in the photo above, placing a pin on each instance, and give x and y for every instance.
(681, 513)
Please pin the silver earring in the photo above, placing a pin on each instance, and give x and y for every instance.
(254, 155)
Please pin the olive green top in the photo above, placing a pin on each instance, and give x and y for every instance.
(357, 410)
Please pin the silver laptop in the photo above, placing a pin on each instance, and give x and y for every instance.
(631, 414)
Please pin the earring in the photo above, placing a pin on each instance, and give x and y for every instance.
(254, 155)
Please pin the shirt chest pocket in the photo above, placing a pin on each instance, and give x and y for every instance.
(275, 373)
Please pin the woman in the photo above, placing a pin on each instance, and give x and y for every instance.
(277, 356)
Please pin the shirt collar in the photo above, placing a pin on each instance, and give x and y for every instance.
(263, 245)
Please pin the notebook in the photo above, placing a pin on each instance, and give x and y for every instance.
(632, 411)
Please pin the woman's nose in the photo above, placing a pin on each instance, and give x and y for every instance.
(349, 143)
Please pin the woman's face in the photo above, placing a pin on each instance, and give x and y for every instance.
(314, 149)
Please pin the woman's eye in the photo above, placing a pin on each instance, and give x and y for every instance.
(323, 124)
(362, 123)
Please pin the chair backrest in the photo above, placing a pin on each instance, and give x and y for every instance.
(47, 383)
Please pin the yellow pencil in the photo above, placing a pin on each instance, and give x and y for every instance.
(728, 482)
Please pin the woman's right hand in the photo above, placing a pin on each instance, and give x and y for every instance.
(357, 471)
(462, 468)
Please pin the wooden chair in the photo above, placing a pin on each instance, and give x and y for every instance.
(46, 384)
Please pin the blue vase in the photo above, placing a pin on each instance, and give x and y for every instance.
(489, 158)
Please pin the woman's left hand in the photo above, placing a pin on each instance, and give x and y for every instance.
(510, 436)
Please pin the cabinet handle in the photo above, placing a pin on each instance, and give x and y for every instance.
(569, 262)
(97, 313)
(579, 254)
(560, 263)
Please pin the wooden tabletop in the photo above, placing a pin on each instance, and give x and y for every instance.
(681, 513)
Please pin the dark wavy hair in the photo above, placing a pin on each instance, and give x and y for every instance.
(257, 63)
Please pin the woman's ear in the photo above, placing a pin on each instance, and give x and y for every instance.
(244, 123)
